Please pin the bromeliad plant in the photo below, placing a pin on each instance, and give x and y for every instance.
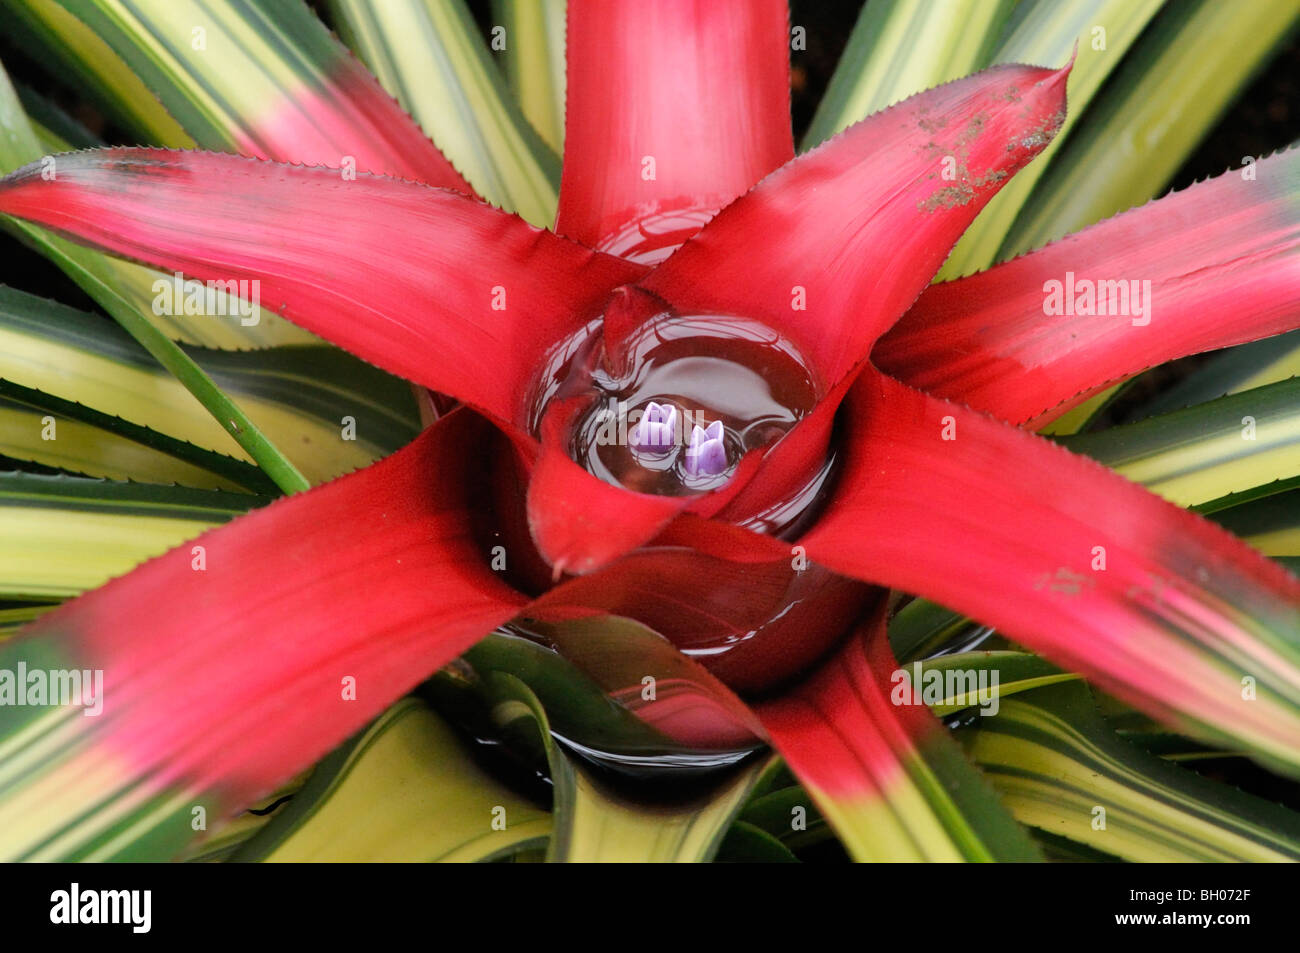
(695, 434)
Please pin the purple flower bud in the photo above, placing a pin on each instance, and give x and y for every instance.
(706, 455)
(656, 431)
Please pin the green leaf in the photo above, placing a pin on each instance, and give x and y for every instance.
(1232, 371)
(406, 789)
(584, 687)
(1046, 32)
(899, 48)
(14, 617)
(1202, 453)
(958, 676)
(429, 55)
(661, 705)
(60, 535)
(922, 627)
(99, 280)
(1271, 523)
(747, 844)
(597, 823)
(881, 767)
(790, 815)
(1173, 86)
(576, 705)
(45, 429)
(299, 396)
(1055, 764)
(95, 69)
(232, 834)
(57, 131)
(534, 62)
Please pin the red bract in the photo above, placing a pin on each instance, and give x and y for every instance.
(830, 250)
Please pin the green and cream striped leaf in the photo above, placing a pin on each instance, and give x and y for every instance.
(232, 834)
(92, 65)
(882, 768)
(534, 62)
(217, 66)
(1175, 83)
(1154, 737)
(225, 327)
(1060, 769)
(300, 396)
(137, 287)
(594, 823)
(899, 48)
(57, 132)
(104, 72)
(264, 79)
(15, 617)
(963, 680)
(1270, 523)
(62, 535)
(1046, 32)
(1201, 457)
(406, 789)
(575, 690)
(429, 55)
(40, 428)
(100, 280)
(921, 628)
(1200, 454)
(1232, 371)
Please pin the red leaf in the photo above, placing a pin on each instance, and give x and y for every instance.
(1158, 605)
(1220, 257)
(226, 661)
(351, 118)
(426, 283)
(686, 702)
(836, 245)
(881, 767)
(838, 730)
(752, 624)
(641, 172)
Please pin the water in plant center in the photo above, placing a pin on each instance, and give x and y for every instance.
(660, 402)
(613, 729)
(673, 405)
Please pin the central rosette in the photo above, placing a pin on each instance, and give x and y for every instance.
(658, 400)
(667, 403)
